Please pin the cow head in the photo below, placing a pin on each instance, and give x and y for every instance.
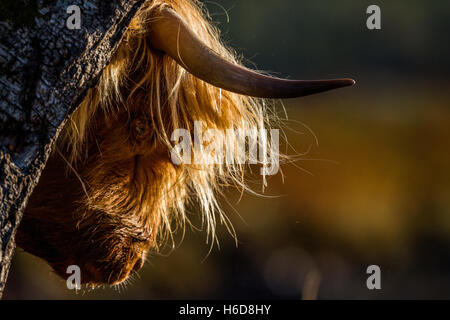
(111, 191)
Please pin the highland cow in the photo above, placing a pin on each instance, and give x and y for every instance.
(110, 192)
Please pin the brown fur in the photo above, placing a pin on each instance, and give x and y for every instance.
(110, 192)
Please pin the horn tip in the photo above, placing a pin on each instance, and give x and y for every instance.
(348, 82)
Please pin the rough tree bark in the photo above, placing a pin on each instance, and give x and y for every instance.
(45, 71)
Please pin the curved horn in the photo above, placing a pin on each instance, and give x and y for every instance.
(171, 34)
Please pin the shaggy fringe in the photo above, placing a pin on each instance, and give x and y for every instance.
(175, 99)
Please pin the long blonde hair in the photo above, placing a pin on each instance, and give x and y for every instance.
(175, 99)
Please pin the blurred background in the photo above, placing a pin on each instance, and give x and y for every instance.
(375, 189)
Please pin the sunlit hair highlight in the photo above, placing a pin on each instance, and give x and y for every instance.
(174, 99)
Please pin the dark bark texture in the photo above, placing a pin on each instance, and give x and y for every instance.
(45, 72)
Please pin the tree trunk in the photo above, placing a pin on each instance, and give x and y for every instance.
(45, 72)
